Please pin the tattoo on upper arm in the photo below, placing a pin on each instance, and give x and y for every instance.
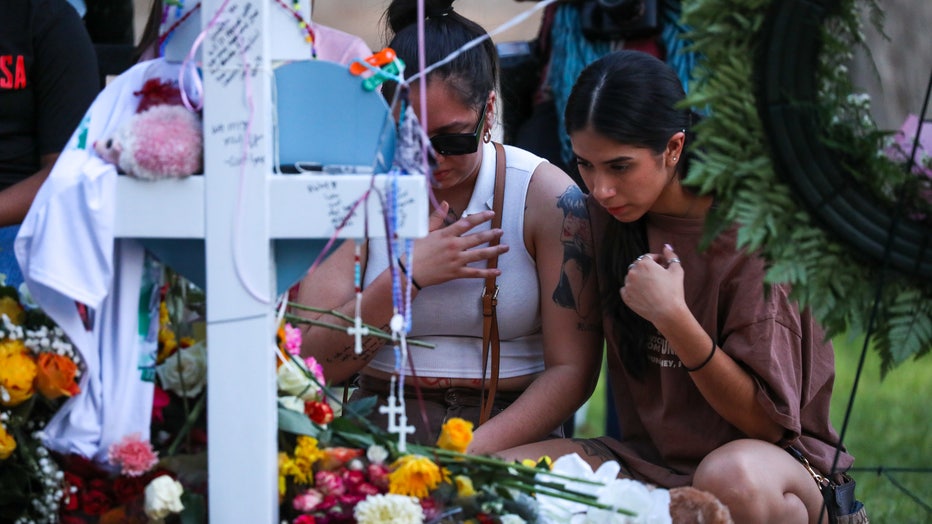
(577, 250)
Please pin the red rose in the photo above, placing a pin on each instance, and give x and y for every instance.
(70, 519)
(319, 412)
(95, 502)
(71, 491)
(128, 488)
(99, 485)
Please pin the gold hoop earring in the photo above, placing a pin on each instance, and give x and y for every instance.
(487, 136)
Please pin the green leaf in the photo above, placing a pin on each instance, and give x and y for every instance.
(291, 421)
(361, 408)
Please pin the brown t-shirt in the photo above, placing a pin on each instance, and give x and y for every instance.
(666, 424)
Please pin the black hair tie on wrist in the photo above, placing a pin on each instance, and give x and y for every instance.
(410, 278)
(704, 362)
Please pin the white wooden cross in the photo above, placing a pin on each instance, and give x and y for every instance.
(238, 208)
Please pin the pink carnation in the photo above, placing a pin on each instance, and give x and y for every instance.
(304, 519)
(378, 475)
(307, 501)
(316, 369)
(352, 479)
(134, 455)
(329, 483)
(367, 489)
(292, 339)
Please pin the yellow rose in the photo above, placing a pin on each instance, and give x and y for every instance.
(17, 377)
(7, 443)
(8, 347)
(455, 435)
(464, 487)
(13, 310)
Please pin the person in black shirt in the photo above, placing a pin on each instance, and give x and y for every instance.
(48, 79)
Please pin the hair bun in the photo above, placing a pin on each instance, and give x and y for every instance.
(403, 13)
(438, 8)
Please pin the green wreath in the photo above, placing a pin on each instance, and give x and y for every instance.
(792, 158)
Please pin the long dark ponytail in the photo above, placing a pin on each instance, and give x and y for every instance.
(632, 98)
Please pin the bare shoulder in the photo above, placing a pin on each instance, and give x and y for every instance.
(552, 194)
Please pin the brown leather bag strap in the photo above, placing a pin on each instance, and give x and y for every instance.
(490, 340)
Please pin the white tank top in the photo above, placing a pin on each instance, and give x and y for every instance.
(450, 314)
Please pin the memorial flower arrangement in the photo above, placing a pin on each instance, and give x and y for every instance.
(333, 467)
(39, 370)
(345, 470)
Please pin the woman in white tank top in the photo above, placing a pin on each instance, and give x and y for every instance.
(547, 303)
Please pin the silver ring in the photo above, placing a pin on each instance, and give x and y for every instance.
(631, 266)
(674, 260)
(642, 257)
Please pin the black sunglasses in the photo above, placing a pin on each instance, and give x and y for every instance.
(450, 144)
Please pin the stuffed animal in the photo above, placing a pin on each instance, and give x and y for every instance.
(689, 505)
(162, 141)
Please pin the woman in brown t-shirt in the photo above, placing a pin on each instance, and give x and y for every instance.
(714, 374)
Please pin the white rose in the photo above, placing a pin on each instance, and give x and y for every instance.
(163, 497)
(376, 454)
(293, 380)
(185, 372)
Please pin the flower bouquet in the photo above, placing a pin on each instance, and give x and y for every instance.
(163, 474)
(39, 370)
(346, 470)
(334, 465)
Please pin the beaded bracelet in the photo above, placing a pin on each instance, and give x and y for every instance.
(404, 270)
(704, 362)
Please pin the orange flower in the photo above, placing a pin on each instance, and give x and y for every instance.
(13, 310)
(455, 435)
(118, 515)
(17, 375)
(280, 343)
(55, 376)
(337, 457)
